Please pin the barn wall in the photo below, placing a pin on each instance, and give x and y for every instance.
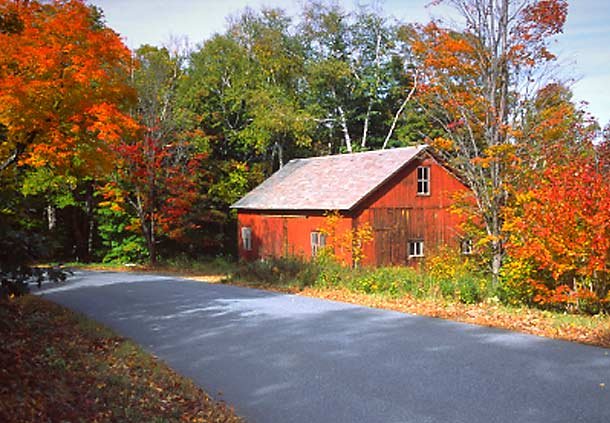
(397, 214)
(281, 235)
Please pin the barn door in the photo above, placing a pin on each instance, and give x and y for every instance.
(391, 232)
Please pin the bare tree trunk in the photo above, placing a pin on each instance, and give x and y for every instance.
(19, 150)
(152, 241)
(343, 123)
(152, 247)
(148, 228)
(90, 220)
(79, 238)
(279, 151)
(344, 128)
(399, 112)
(51, 217)
(367, 118)
(365, 129)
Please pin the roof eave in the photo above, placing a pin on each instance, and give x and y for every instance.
(424, 150)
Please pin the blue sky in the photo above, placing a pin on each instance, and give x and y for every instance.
(583, 49)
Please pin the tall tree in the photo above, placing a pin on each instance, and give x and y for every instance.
(556, 194)
(359, 74)
(476, 80)
(63, 82)
(159, 169)
(64, 95)
(242, 90)
(560, 227)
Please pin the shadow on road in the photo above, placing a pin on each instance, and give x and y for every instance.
(287, 358)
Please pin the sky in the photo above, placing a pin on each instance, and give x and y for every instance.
(583, 49)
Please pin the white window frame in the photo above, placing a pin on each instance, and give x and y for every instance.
(423, 180)
(317, 240)
(246, 238)
(416, 248)
(466, 247)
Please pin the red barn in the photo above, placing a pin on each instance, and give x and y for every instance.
(404, 194)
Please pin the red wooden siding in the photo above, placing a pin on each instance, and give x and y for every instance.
(398, 215)
(282, 235)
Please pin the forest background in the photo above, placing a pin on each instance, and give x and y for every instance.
(126, 156)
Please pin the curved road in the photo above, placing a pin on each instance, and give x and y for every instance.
(284, 358)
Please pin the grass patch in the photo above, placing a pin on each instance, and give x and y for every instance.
(56, 365)
(592, 330)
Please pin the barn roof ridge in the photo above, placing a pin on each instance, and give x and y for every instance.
(332, 182)
(419, 147)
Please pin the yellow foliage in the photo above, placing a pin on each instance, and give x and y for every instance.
(441, 143)
(352, 240)
(446, 264)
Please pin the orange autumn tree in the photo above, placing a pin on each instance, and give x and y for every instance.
(63, 85)
(559, 216)
(475, 80)
(561, 226)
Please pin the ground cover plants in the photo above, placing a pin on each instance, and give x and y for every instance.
(461, 295)
(57, 366)
(443, 288)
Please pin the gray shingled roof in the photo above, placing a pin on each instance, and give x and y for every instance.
(327, 183)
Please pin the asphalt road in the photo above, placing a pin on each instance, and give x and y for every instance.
(283, 358)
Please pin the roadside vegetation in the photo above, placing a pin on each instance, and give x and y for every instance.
(58, 366)
(447, 286)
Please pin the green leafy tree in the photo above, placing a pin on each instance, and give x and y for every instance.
(242, 92)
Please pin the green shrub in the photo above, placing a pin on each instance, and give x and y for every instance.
(447, 286)
(331, 274)
(130, 249)
(515, 287)
(207, 265)
(472, 289)
(277, 271)
(456, 277)
(393, 281)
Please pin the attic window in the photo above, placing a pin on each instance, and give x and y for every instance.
(423, 180)
(416, 248)
(246, 238)
(318, 241)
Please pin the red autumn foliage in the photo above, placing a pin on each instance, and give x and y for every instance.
(563, 226)
(63, 85)
(161, 183)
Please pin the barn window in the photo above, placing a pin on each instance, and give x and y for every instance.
(467, 247)
(423, 180)
(318, 241)
(246, 237)
(416, 248)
